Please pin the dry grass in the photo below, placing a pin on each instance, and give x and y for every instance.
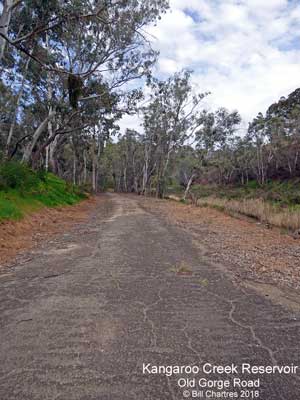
(182, 269)
(256, 208)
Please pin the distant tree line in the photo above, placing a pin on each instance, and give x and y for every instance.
(183, 144)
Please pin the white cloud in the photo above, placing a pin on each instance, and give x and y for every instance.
(130, 122)
(246, 52)
(167, 65)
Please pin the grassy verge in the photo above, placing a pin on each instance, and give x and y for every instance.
(258, 209)
(23, 191)
(276, 203)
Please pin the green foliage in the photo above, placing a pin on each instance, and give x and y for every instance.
(252, 185)
(216, 128)
(23, 190)
(14, 175)
(168, 123)
(57, 192)
(8, 210)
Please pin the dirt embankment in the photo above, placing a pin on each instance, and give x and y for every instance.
(250, 250)
(28, 232)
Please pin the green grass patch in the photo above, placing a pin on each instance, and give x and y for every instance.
(23, 191)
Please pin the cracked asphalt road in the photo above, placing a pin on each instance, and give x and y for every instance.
(83, 314)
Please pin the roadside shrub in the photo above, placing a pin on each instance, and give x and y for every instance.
(42, 175)
(14, 175)
(252, 185)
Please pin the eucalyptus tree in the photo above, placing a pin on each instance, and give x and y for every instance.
(214, 138)
(169, 120)
(282, 121)
(257, 133)
(215, 129)
(76, 58)
(25, 22)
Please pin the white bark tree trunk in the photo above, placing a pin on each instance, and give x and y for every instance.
(74, 168)
(145, 170)
(93, 151)
(29, 148)
(49, 99)
(188, 186)
(4, 23)
(52, 161)
(47, 159)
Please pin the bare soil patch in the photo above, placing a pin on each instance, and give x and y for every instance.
(17, 236)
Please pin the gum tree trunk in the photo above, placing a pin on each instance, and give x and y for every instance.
(29, 149)
(4, 23)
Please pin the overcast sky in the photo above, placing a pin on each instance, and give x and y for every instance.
(245, 52)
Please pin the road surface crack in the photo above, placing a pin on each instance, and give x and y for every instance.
(145, 310)
(24, 320)
(55, 275)
(252, 331)
(190, 344)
